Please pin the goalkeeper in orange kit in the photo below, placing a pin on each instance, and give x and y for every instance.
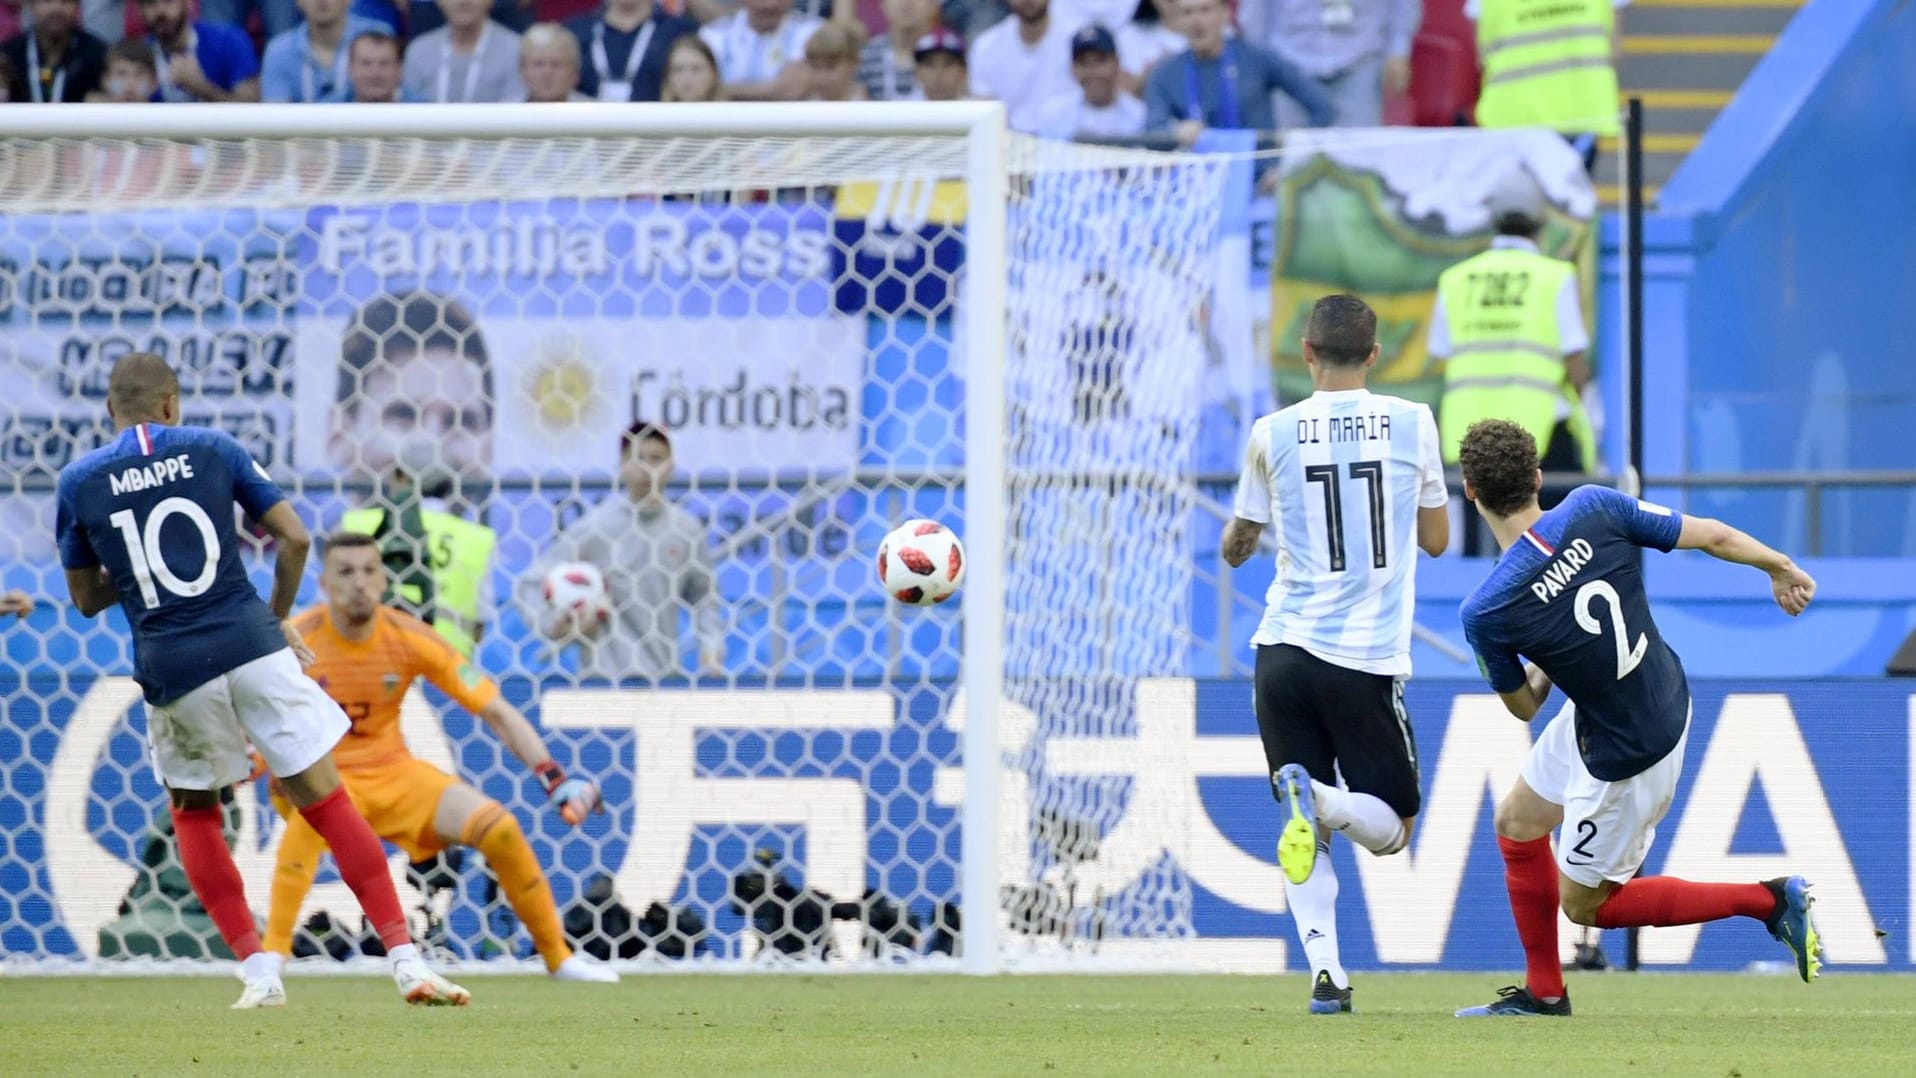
(367, 657)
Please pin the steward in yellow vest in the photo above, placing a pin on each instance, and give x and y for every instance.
(1548, 63)
(1509, 323)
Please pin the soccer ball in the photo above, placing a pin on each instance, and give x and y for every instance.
(921, 562)
(578, 589)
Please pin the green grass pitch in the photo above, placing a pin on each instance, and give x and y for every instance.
(1647, 1024)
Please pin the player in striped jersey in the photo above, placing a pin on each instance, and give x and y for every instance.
(1355, 482)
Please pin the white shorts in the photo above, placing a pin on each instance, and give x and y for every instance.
(200, 740)
(1607, 826)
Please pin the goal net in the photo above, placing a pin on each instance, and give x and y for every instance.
(438, 324)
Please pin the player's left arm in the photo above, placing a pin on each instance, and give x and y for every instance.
(1789, 584)
(1252, 505)
(575, 798)
(1661, 528)
(1433, 493)
(457, 677)
(263, 501)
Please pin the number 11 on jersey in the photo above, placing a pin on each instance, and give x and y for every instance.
(1371, 473)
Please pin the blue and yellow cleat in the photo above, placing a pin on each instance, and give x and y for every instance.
(1515, 1001)
(1327, 998)
(1792, 925)
(1297, 803)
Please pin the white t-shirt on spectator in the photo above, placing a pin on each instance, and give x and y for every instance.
(1141, 45)
(1111, 14)
(1023, 78)
(745, 55)
(1069, 117)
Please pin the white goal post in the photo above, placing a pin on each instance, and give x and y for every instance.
(913, 266)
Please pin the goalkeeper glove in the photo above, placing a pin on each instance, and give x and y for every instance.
(575, 798)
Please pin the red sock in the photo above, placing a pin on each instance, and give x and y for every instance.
(1530, 875)
(1666, 900)
(362, 864)
(215, 879)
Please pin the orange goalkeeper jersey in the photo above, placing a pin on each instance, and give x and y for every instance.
(369, 678)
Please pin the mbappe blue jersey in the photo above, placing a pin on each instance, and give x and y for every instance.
(1569, 597)
(155, 508)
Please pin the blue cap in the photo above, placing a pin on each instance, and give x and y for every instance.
(1093, 38)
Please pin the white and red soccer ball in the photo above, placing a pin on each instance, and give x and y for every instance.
(578, 589)
(921, 563)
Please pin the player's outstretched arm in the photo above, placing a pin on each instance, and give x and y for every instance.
(574, 798)
(1789, 585)
(1240, 541)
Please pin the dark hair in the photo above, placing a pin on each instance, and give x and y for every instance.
(138, 384)
(1499, 459)
(377, 37)
(345, 540)
(1513, 223)
(642, 430)
(1342, 330)
(391, 326)
(135, 51)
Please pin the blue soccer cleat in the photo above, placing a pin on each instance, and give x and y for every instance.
(1792, 925)
(1515, 1001)
(1297, 803)
(1327, 998)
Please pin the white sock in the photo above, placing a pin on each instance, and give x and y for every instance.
(260, 966)
(405, 952)
(1314, 908)
(1362, 818)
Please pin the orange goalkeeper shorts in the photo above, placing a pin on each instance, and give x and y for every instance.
(399, 799)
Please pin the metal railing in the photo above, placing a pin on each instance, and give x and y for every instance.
(1230, 600)
(1812, 484)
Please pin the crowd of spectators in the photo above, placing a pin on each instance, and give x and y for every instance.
(1064, 68)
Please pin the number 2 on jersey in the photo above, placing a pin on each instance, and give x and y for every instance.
(1628, 655)
(1372, 473)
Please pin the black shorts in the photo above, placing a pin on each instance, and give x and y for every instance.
(1333, 720)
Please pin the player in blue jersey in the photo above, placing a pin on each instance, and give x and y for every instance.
(146, 521)
(1567, 595)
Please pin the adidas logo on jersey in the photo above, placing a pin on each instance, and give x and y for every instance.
(1558, 574)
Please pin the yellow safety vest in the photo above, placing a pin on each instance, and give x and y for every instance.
(1547, 64)
(1506, 356)
(459, 554)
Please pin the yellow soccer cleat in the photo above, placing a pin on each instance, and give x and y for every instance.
(1297, 803)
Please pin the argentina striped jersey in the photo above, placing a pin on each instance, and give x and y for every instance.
(1343, 474)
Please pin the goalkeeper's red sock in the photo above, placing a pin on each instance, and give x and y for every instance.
(362, 864)
(1530, 875)
(1658, 901)
(215, 878)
